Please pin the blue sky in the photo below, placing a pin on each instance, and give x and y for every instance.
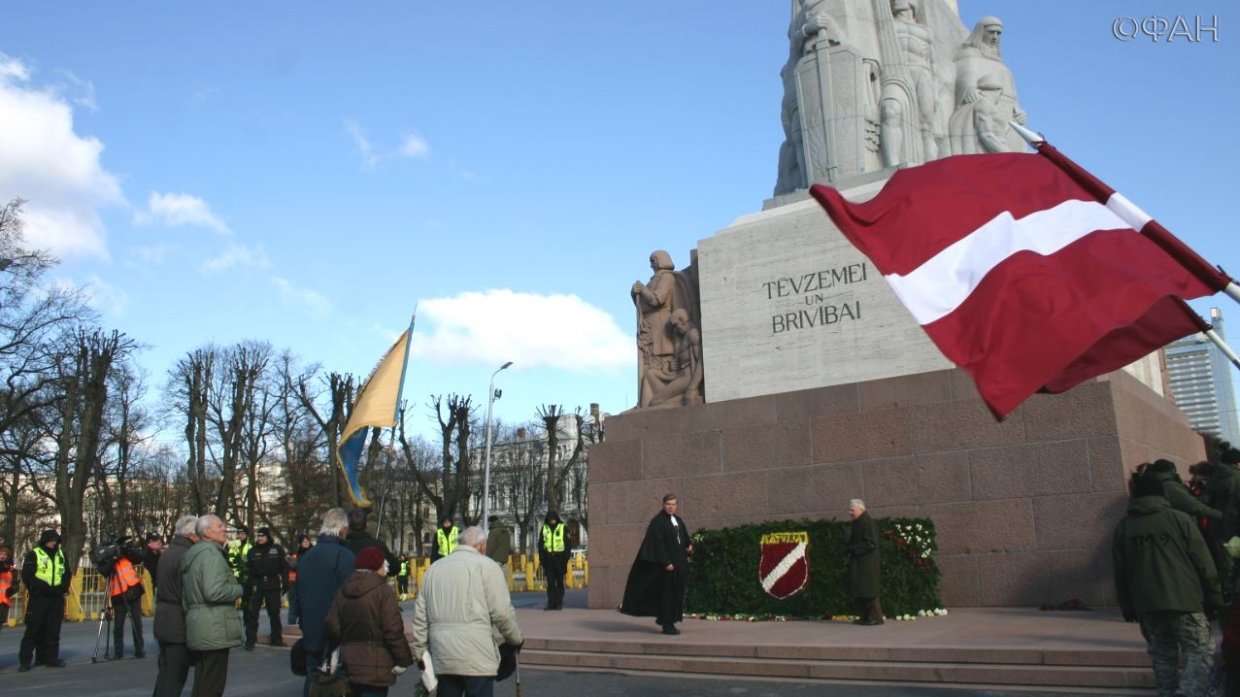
(305, 173)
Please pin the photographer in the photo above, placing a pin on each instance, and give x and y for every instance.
(118, 562)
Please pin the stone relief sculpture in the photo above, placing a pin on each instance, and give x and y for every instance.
(985, 95)
(908, 100)
(668, 341)
(874, 84)
(677, 382)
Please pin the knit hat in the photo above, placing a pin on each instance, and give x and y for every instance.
(1162, 466)
(1230, 456)
(369, 558)
(49, 535)
(1143, 485)
(265, 532)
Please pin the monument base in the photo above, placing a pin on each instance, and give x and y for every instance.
(1024, 507)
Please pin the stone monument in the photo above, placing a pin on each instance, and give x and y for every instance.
(801, 380)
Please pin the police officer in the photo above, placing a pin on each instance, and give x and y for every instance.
(445, 539)
(268, 575)
(47, 580)
(402, 576)
(553, 551)
(238, 554)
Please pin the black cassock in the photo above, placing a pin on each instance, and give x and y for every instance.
(652, 590)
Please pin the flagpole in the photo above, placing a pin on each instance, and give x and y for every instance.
(404, 366)
(1222, 346)
(1139, 219)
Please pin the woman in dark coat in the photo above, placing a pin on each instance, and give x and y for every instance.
(365, 620)
(862, 577)
(660, 573)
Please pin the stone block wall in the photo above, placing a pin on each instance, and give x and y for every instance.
(1024, 507)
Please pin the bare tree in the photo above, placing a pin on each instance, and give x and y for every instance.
(75, 424)
(450, 494)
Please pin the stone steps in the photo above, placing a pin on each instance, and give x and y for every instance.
(1109, 671)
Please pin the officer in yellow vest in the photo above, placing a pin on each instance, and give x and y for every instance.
(445, 540)
(553, 551)
(404, 567)
(47, 580)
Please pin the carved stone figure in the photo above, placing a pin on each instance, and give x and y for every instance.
(659, 340)
(868, 84)
(985, 95)
(908, 101)
(677, 382)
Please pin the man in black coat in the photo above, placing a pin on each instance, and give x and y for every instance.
(174, 658)
(47, 581)
(267, 567)
(660, 573)
(862, 575)
(360, 538)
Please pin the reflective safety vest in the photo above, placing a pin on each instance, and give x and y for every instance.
(49, 569)
(404, 568)
(553, 538)
(447, 541)
(124, 577)
(6, 582)
(237, 557)
(292, 571)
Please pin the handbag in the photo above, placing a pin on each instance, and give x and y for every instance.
(330, 679)
(297, 657)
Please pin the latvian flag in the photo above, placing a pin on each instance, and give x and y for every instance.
(1025, 270)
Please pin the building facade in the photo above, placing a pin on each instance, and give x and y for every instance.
(1201, 383)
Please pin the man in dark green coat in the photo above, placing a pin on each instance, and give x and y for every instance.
(1165, 580)
(862, 578)
(1178, 495)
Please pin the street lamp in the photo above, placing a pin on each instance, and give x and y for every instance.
(492, 395)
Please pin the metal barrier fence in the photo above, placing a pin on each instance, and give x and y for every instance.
(88, 592)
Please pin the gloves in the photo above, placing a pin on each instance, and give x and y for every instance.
(397, 670)
(10, 591)
(517, 647)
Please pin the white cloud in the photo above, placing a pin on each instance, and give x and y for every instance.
(176, 210)
(556, 331)
(104, 296)
(313, 301)
(85, 91)
(57, 171)
(361, 142)
(235, 256)
(412, 145)
(151, 255)
(415, 146)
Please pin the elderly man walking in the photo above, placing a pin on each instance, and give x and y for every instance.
(209, 594)
(321, 571)
(169, 615)
(862, 574)
(463, 597)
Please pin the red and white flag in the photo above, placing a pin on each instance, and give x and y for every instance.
(1025, 270)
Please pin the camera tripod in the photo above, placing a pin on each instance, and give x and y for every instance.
(106, 616)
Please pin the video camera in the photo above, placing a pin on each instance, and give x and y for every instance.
(107, 553)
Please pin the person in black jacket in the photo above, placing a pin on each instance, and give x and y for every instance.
(154, 548)
(660, 573)
(267, 567)
(174, 657)
(1165, 579)
(359, 538)
(47, 580)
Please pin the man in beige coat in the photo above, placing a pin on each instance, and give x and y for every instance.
(463, 597)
